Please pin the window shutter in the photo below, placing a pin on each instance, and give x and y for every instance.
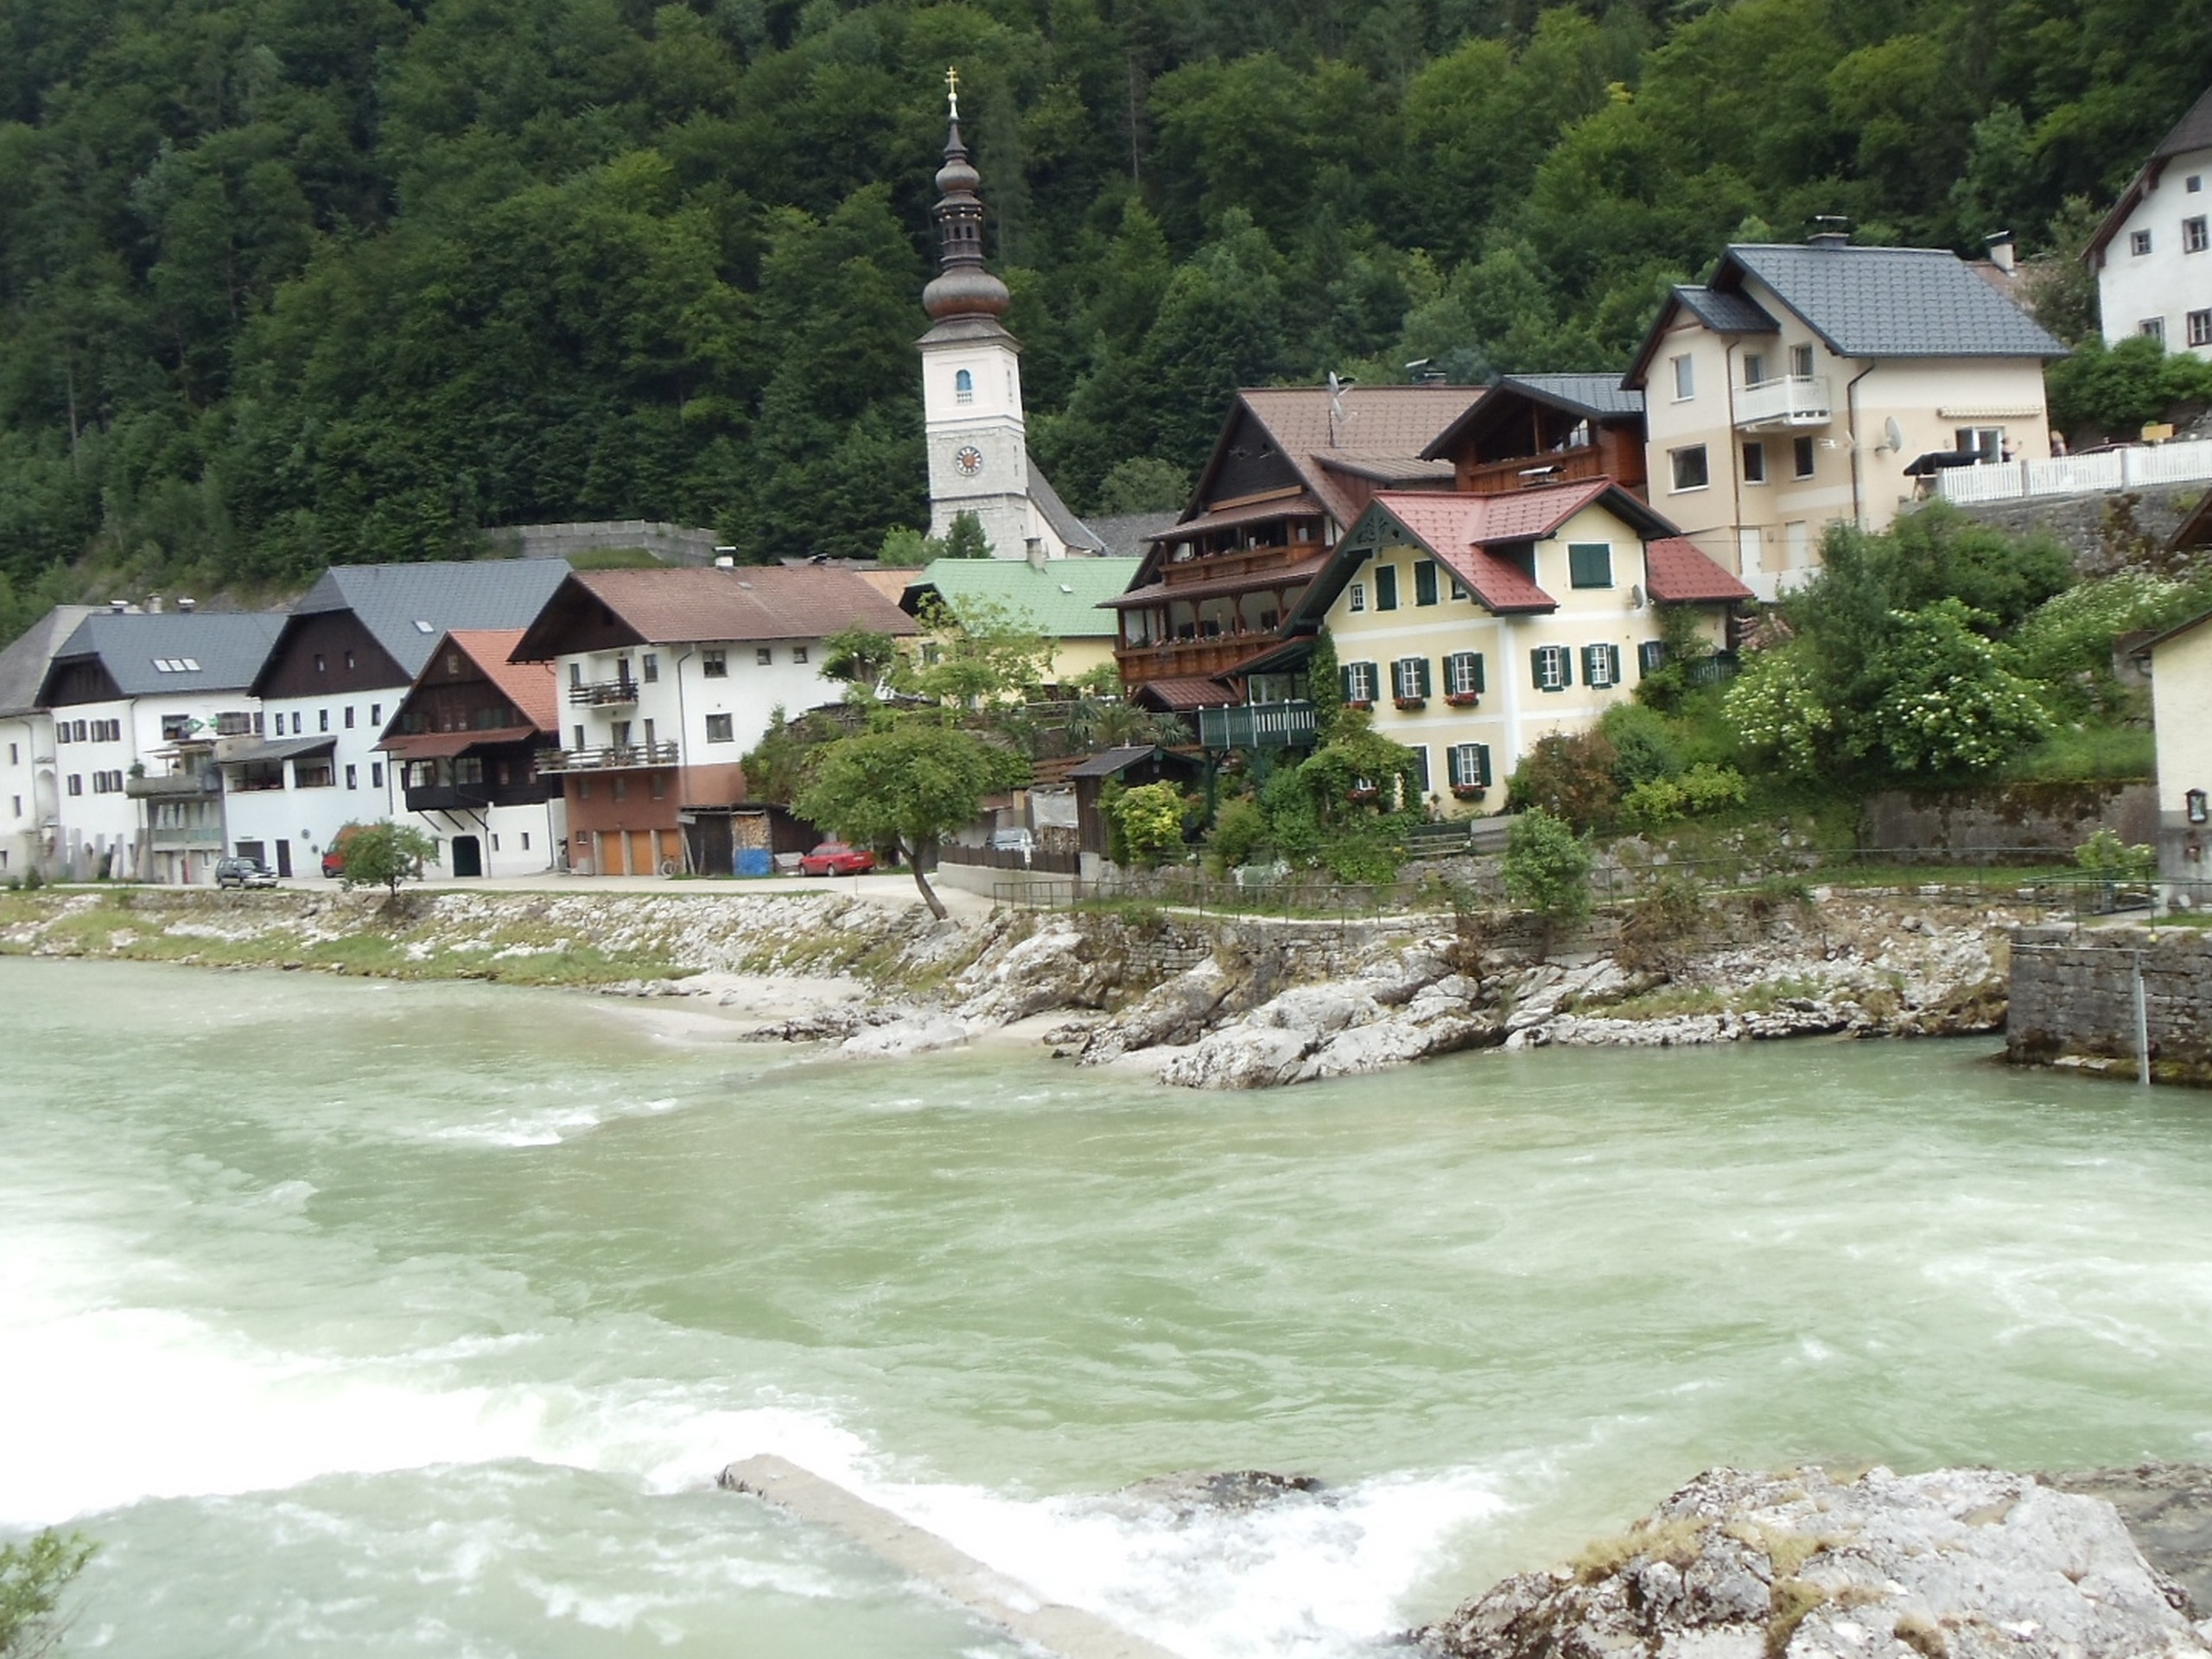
(1481, 765)
(1344, 684)
(1537, 667)
(1421, 766)
(1613, 664)
(1593, 664)
(1650, 657)
(1420, 690)
(1477, 658)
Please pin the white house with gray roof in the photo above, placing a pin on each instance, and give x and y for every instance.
(347, 652)
(138, 701)
(1797, 386)
(2152, 254)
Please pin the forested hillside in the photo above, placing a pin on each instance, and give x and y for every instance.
(284, 282)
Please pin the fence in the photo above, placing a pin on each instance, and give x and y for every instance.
(1012, 858)
(2132, 467)
(1977, 876)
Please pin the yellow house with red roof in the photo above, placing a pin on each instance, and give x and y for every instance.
(1475, 625)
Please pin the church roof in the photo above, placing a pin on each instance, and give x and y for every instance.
(1071, 530)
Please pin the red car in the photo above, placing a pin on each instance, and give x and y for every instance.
(836, 858)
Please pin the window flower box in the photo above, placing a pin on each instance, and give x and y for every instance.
(1469, 791)
(1359, 703)
(1411, 702)
(1361, 792)
(1461, 699)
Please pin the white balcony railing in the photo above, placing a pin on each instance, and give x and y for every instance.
(1790, 400)
(2134, 468)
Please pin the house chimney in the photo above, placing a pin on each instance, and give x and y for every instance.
(187, 605)
(1834, 232)
(118, 606)
(2001, 249)
(153, 604)
(1035, 547)
(725, 562)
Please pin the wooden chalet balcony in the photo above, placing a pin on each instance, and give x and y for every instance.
(1200, 659)
(474, 797)
(602, 692)
(1257, 726)
(1787, 400)
(631, 757)
(1525, 472)
(1261, 564)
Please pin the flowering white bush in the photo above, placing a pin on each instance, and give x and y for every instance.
(1776, 709)
(1952, 705)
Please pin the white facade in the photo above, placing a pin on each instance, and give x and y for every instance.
(506, 840)
(2181, 690)
(712, 699)
(289, 826)
(102, 825)
(28, 788)
(2154, 268)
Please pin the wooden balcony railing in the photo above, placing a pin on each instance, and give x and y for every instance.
(602, 692)
(1524, 472)
(631, 757)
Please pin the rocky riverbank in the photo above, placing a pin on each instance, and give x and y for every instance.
(1955, 1564)
(1199, 1003)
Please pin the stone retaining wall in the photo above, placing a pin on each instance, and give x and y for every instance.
(2105, 530)
(2073, 1000)
(2056, 817)
(676, 543)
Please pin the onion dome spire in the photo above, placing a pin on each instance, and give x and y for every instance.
(962, 286)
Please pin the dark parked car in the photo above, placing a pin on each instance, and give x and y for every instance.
(836, 858)
(244, 873)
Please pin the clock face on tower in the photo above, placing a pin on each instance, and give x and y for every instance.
(968, 458)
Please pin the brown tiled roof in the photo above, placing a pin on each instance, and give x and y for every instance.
(1379, 423)
(1677, 572)
(437, 746)
(529, 686)
(746, 602)
(1289, 504)
(1180, 696)
(1387, 469)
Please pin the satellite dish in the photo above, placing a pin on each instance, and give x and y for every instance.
(1635, 595)
(1894, 435)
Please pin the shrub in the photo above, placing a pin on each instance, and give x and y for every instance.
(1151, 817)
(1238, 836)
(1643, 748)
(1701, 789)
(1776, 709)
(1951, 705)
(1570, 778)
(2113, 859)
(1547, 868)
(34, 1576)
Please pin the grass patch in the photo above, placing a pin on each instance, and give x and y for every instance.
(1793, 1600)
(1671, 1002)
(614, 558)
(2082, 754)
(1673, 1542)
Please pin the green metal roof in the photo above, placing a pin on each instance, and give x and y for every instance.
(1060, 598)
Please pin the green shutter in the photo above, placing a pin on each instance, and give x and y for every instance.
(1481, 765)
(1421, 765)
(1343, 683)
(1479, 686)
(1613, 663)
(1536, 668)
(1386, 587)
(1421, 674)
(1590, 564)
(1425, 582)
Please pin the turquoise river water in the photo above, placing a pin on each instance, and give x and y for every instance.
(365, 1319)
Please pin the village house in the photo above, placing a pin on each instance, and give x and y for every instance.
(1546, 428)
(348, 653)
(142, 703)
(666, 679)
(1059, 599)
(465, 740)
(30, 788)
(2152, 253)
(1474, 625)
(1800, 386)
(1293, 466)
(2181, 690)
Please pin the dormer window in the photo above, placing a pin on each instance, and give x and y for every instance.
(964, 387)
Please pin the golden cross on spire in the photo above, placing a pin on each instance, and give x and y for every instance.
(952, 92)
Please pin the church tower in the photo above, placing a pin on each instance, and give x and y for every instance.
(971, 374)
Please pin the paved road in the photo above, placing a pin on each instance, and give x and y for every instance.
(891, 887)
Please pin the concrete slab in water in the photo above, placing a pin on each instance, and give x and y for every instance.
(1068, 1632)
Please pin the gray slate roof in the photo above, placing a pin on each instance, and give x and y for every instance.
(1868, 302)
(2192, 131)
(1598, 395)
(24, 664)
(1129, 535)
(1071, 530)
(394, 601)
(224, 649)
(1726, 314)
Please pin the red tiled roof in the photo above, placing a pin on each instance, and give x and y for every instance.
(746, 602)
(1499, 584)
(1677, 572)
(1180, 696)
(529, 686)
(1377, 423)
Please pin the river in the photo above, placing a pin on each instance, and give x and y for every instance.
(358, 1317)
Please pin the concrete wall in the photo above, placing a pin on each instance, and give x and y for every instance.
(2059, 817)
(677, 543)
(2104, 530)
(2073, 999)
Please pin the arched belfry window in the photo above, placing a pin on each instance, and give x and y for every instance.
(964, 387)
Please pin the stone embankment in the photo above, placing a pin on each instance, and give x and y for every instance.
(1198, 1001)
(2073, 997)
(1955, 1564)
